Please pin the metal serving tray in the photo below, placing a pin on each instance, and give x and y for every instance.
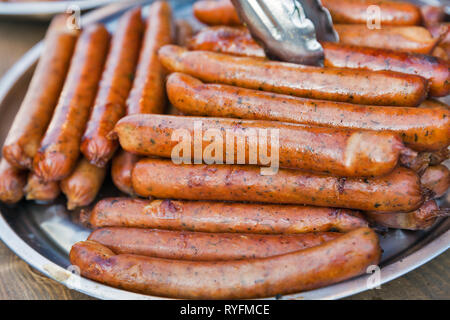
(43, 234)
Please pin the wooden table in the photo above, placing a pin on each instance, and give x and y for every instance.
(19, 281)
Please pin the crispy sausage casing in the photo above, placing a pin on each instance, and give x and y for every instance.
(355, 86)
(113, 90)
(219, 12)
(320, 149)
(420, 128)
(398, 191)
(209, 216)
(12, 182)
(200, 246)
(331, 262)
(436, 179)
(83, 184)
(60, 147)
(39, 190)
(122, 165)
(37, 107)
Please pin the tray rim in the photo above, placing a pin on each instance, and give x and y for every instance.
(97, 290)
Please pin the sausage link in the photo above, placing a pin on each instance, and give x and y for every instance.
(418, 163)
(12, 182)
(122, 165)
(420, 128)
(345, 85)
(440, 156)
(30, 123)
(41, 191)
(199, 246)
(398, 191)
(436, 179)
(331, 262)
(420, 219)
(83, 184)
(208, 216)
(320, 149)
(238, 41)
(184, 32)
(432, 15)
(113, 90)
(60, 146)
(219, 12)
(148, 94)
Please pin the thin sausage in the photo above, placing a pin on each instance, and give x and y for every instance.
(113, 90)
(331, 262)
(211, 216)
(122, 165)
(38, 190)
(398, 191)
(420, 129)
(37, 107)
(12, 182)
(60, 146)
(200, 246)
(320, 149)
(345, 85)
(437, 179)
(219, 12)
(83, 184)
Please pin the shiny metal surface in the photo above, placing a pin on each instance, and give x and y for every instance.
(43, 234)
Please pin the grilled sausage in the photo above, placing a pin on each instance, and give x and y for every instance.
(148, 94)
(12, 182)
(184, 32)
(238, 41)
(60, 146)
(432, 15)
(398, 191)
(320, 149)
(410, 39)
(440, 156)
(355, 86)
(219, 12)
(418, 163)
(83, 184)
(41, 191)
(37, 107)
(420, 219)
(209, 216)
(419, 128)
(436, 179)
(122, 165)
(331, 262)
(200, 246)
(113, 91)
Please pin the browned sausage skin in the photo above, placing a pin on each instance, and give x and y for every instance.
(41, 191)
(113, 91)
(60, 146)
(35, 113)
(398, 191)
(215, 216)
(331, 262)
(122, 165)
(12, 182)
(420, 129)
(83, 184)
(345, 85)
(216, 12)
(437, 179)
(200, 246)
(184, 32)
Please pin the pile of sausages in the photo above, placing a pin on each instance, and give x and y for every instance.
(361, 144)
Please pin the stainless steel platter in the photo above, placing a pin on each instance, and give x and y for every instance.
(43, 234)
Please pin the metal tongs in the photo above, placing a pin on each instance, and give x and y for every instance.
(289, 30)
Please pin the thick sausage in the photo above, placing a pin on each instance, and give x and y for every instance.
(122, 165)
(200, 246)
(41, 191)
(209, 216)
(342, 152)
(331, 262)
(420, 219)
(358, 12)
(219, 12)
(238, 41)
(184, 32)
(355, 86)
(60, 147)
(410, 39)
(420, 128)
(83, 184)
(113, 90)
(398, 191)
(37, 107)
(148, 94)
(437, 179)
(12, 182)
